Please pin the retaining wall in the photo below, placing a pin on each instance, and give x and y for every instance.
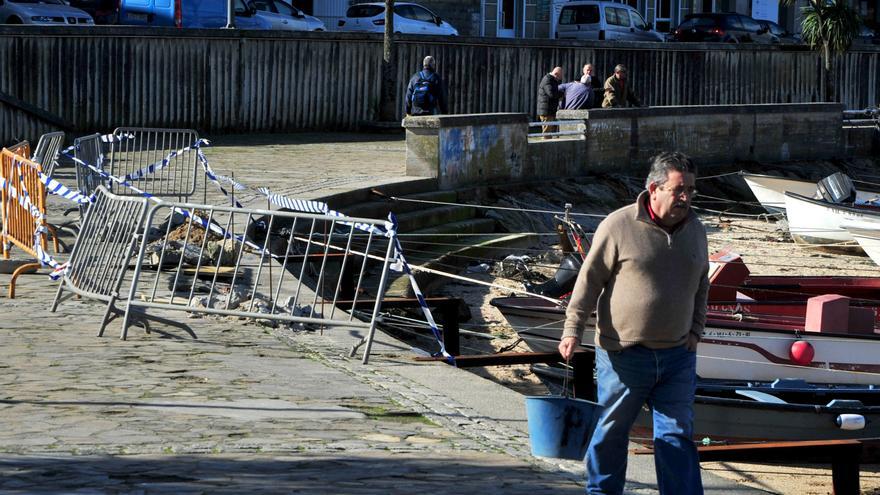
(470, 150)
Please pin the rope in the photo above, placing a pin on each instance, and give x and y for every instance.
(525, 210)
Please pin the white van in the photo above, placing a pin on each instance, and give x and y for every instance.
(603, 20)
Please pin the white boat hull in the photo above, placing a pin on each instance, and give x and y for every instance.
(817, 222)
(744, 355)
(770, 190)
(869, 241)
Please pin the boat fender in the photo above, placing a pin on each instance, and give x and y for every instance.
(850, 421)
(801, 352)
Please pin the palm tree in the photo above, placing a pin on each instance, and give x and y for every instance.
(829, 27)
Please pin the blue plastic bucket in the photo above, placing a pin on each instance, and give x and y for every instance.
(560, 427)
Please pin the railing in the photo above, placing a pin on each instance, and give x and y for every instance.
(557, 124)
(868, 118)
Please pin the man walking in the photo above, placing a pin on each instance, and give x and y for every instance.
(618, 94)
(548, 98)
(646, 275)
(425, 94)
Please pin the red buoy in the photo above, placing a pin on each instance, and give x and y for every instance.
(801, 352)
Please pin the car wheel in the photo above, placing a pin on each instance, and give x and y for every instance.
(14, 20)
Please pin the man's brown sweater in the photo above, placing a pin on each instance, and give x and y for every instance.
(647, 286)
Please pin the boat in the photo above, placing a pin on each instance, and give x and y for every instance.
(799, 288)
(868, 239)
(726, 419)
(814, 221)
(770, 190)
(735, 345)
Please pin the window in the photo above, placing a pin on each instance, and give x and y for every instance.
(579, 14)
(422, 14)
(365, 11)
(405, 11)
(616, 17)
(283, 8)
(732, 22)
(638, 21)
(750, 24)
(265, 6)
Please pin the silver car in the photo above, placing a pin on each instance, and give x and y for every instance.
(283, 15)
(603, 20)
(409, 18)
(42, 13)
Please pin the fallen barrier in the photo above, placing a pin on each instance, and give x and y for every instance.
(273, 266)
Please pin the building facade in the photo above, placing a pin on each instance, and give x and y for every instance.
(537, 18)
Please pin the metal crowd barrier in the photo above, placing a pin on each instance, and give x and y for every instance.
(103, 251)
(21, 177)
(47, 150)
(250, 263)
(88, 149)
(135, 148)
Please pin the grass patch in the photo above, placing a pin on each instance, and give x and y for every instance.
(380, 413)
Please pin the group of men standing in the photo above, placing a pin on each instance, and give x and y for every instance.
(582, 94)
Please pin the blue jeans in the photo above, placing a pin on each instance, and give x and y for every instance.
(665, 379)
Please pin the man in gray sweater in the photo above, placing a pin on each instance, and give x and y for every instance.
(646, 276)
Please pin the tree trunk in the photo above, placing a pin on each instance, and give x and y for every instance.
(829, 78)
(388, 99)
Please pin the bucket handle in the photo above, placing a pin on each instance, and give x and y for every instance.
(569, 370)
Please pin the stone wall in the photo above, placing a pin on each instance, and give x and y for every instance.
(711, 134)
(467, 150)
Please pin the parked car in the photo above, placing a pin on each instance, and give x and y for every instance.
(102, 11)
(409, 18)
(189, 14)
(42, 13)
(283, 15)
(867, 36)
(724, 28)
(782, 35)
(603, 20)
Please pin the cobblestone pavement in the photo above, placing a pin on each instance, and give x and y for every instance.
(242, 407)
(245, 408)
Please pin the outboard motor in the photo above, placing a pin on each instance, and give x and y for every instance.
(562, 282)
(837, 188)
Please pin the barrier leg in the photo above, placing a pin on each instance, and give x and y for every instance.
(54, 233)
(28, 268)
(106, 318)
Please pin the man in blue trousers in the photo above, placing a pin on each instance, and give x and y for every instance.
(646, 276)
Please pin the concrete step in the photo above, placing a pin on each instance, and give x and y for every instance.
(440, 233)
(454, 260)
(437, 216)
(341, 201)
(379, 207)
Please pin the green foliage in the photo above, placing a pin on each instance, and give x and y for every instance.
(834, 23)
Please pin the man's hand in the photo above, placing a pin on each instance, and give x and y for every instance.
(692, 342)
(567, 346)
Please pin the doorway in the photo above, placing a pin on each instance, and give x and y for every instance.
(662, 15)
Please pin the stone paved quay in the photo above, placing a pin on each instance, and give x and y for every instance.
(245, 408)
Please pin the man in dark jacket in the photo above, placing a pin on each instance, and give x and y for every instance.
(548, 98)
(425, 94)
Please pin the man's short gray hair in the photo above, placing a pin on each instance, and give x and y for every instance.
(428, 62)
(665, 162)
(619, 68)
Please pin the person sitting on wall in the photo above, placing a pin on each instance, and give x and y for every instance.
(618, 94)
